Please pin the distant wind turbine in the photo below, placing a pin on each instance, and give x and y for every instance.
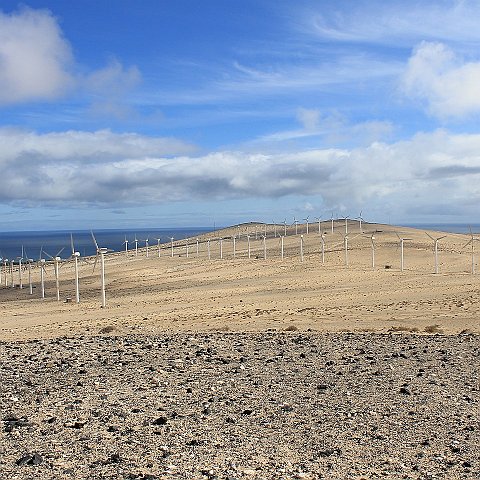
(75, 256)
(402, 240)
(158, 246)
(171, 243)
(319, 225)
(306, 221)
(126, 246)
(56, 266)
(472, 243)
(136, 245)
(101, 251)
(345, 244)
(435, 249)
(372, 241)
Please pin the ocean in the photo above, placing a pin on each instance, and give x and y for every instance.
(54, 241)
(446, 227)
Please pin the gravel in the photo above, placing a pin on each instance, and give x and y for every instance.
(240, 405)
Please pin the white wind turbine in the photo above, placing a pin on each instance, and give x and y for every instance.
(126, 246)
(319, 225)
(402, 240)
(435, 249)
(12, 263)
(208, 249)
(234, 247)
(346, 225)
(472, 243)
(264, 248)
(5, 263)
(345, 244)
(75, 256)
(360, 220)
(171, 244)
(101, 251)
(29, 266)
(372, 241)
(146, 247)
(20, 280)
(56, 269)
(322, 237)
(197, 248)
(295, 222)
(306, 221)
(158, 246)
(42, 273)
(264, 229)
(136, 245)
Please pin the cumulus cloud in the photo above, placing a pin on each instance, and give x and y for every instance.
(35, 58)
(36, 63)
(449, 86)
(103, 168)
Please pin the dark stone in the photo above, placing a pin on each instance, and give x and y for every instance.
(160, 421)
(30, 459)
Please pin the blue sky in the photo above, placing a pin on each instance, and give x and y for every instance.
(157, 114)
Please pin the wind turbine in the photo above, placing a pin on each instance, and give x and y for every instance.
(264, 229)
(296, 225)
(101, 251)
(29, 266)
(234, 247)
(360, 220)
(346, 225)
(208, 249)
(75, 256)
(402, 240)
(319, 225)
(345, 244)
(372, 240)
(264, 248)
(136, 245)
(274, 229)
(197, 248)
(435, 249)
(248, 243)
(158, 246)
(146, 247)
(12, 262)
(42, 273)
(171, 243)
(5, 263)
(20, 280)
(56, 268)
(472, 243)
(306, 220)
(126, 246)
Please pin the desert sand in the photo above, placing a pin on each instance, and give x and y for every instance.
(248, 368)
(154, 294)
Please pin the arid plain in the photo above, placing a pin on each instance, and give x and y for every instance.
(154, 294)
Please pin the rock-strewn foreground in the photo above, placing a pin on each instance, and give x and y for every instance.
(233, 406)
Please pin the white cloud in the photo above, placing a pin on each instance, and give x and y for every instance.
(35, 59)
(449, 86)
(397, 22)
(77, 168)
(36, 63)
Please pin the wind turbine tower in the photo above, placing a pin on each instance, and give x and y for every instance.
(435, 249)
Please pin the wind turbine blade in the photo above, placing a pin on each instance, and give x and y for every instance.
(94, 239)
(47, 254)
(40, 255)
(428, 235)
(71, 243)
(60, 251)
(468, 243)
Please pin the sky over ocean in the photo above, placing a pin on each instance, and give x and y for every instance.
(169, 114)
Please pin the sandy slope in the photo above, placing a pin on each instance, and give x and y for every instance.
(155, 294)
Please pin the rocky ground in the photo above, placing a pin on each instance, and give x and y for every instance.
(237, 405)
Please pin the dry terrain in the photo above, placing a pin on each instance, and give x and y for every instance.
(236, 367)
